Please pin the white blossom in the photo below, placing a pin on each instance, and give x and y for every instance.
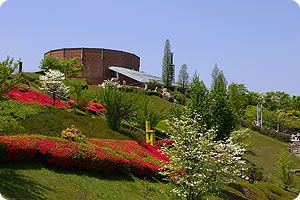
(199, 165)
(52, 82)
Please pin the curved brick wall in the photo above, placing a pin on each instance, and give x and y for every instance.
(96, 62)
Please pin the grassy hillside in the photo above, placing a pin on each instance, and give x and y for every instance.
(52, 121)
(34, 181)
(263, 153)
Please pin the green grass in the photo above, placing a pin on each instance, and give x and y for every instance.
(52, 121)
(263, 153)
(33, 75)
(258, 191)
(160, 104)
(34, 181)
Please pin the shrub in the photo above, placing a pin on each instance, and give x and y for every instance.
(96, 155)
(180, 98)
(7, 67)
(272, 133)
(255, 174)
(284, 163)
(117, 104)
(145, 111)
(152, 85)
(73, 134)
(12, 112)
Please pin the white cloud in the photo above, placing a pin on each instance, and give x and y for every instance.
(1, 2)
(297, 1)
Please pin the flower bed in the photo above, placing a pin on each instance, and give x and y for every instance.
(92, 106)
(96, 155)
(18, 93)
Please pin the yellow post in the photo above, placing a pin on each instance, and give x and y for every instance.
(150, 134)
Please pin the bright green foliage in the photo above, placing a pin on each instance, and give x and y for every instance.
(7, 67)
(269, 117)
(145, 111)
(168, 71)
(295, 102)
(118, 104)
(183, 78)
(69, 68)
(11, 112)
(254, 98)
(284, 163)
(200, 99)
(81, 96)
(238, 96)
(153, 84)
(276, 100)
(223, 117)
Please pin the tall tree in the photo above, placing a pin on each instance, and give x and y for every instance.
(168, 70)
(238, 96)
(183, 78)
(69, 68)
(7, 67)
(223, 116)
(200, 102)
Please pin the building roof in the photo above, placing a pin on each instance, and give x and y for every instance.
(136, 75)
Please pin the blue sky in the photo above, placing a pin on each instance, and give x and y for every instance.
(255, 42)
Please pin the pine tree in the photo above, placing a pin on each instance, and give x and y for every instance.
(168, 69)
(183, 78)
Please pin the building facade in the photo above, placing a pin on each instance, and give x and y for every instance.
(97, 61)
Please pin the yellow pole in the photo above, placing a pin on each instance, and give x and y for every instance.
(150, 134)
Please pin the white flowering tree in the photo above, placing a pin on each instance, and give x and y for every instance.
(200, 165)
(52, 84)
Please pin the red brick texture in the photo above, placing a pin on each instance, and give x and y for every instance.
(96, 62)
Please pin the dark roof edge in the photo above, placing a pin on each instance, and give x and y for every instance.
(89, 48)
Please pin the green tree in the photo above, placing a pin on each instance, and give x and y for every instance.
(49, 62)
(284, 163)
(238, 96)
(277, 100)
(168, 71)
(295, 102)
(200, 166)
(223, 116)
(254, 98)
(69, 68)
(200, 99)
(118, 104)
(145, 111)
(7, 67)
(183, 78)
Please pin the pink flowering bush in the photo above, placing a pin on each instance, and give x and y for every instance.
(18, 93)
(95, 155)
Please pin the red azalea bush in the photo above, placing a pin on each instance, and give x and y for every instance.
(160, 143)
(92, 106)
(18, 93)
(97, 155)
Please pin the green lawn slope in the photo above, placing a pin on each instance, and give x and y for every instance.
(263, 153)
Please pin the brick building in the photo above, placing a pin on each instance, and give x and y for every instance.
(97, 61)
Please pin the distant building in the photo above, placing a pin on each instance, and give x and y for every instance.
(97, 61)
(104, 64)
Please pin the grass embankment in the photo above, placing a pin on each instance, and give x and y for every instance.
(52, 121)
(263, 153)
(34, 181)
